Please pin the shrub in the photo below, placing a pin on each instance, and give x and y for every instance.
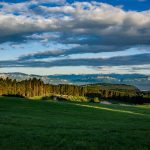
(96, 100)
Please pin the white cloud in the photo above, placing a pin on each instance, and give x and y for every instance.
(84, 23)
(14, 25)
(49, 1)
(64, 9)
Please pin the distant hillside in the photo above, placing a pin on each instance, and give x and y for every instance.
(117, 87)
(140, 81)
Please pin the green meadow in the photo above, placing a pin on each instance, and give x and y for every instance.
(44, 125)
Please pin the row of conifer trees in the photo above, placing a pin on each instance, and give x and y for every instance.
(36, 87)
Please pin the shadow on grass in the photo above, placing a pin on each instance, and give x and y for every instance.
(13, 95)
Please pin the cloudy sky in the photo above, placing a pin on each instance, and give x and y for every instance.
(66, 37)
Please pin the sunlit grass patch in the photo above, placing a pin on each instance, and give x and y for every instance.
(110, 109)
(36, 98)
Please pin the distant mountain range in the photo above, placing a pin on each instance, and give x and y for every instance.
(22, 76)
(140, 81)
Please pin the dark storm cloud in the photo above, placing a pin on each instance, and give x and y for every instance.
(76, 50)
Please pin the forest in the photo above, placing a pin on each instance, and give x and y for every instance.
(91, 93)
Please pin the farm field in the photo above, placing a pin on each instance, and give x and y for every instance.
(43, 125)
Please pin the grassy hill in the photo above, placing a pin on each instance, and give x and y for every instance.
(115, 87)
(42, 125)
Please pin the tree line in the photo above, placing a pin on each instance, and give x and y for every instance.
(36, 87)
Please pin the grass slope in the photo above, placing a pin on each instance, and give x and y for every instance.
(41, 125)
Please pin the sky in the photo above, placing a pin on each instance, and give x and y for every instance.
(46, 37)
